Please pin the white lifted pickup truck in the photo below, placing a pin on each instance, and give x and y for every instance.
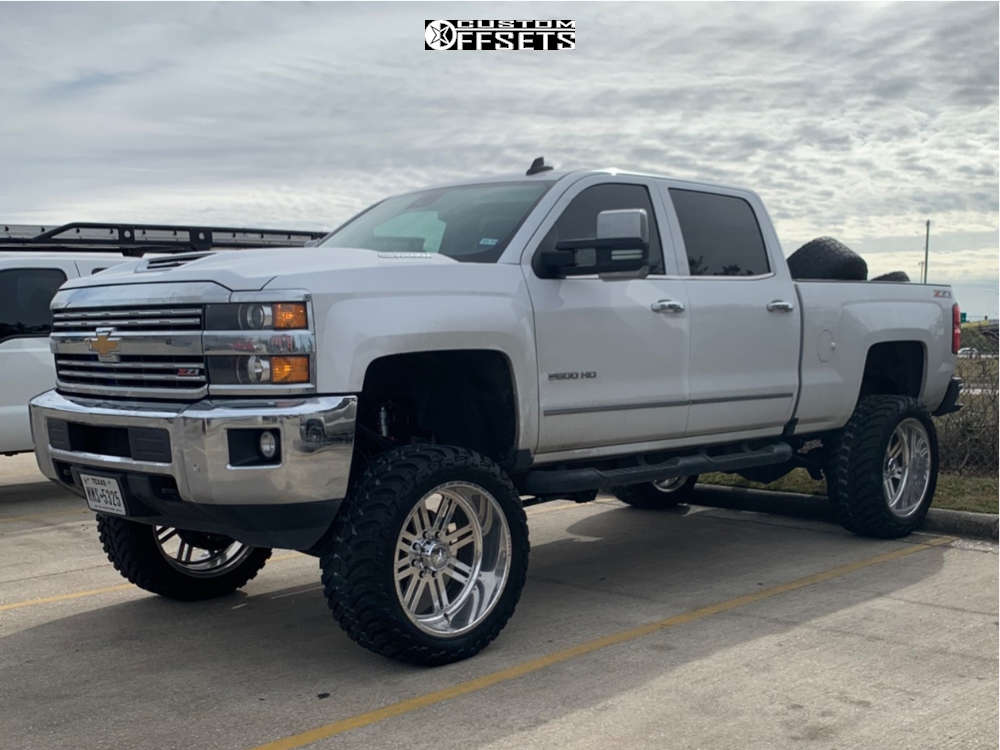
(390, 399)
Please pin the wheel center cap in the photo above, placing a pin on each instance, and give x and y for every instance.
(434, 555)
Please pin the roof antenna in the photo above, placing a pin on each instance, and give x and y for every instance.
(538, 165)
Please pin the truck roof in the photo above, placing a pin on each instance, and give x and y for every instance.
(555, 175)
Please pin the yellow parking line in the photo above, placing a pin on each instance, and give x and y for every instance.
(533, 665)
(64, 597)
(48, 513)
(105, 589)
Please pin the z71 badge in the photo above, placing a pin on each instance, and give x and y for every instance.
(942, 293)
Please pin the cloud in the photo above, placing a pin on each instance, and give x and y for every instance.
(853, 119)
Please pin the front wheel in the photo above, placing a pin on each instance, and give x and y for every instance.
(666, 493)
(428, 556)
(177, 563)
(883, 467)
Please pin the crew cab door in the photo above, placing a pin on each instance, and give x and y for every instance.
(744, 316)
(612, 353)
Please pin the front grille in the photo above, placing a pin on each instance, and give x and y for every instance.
(144, 371)
(130, 352)
(129, 319)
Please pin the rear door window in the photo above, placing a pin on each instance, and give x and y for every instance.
(721, 234)
(25, 294)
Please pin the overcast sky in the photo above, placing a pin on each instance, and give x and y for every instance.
(854, 120)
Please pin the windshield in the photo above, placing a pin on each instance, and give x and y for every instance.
(468, 222)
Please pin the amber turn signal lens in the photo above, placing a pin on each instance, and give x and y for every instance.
(289, 315)
(289, 369)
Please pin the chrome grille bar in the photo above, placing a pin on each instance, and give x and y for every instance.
(166, 365)
(131, 318)
(65, 373)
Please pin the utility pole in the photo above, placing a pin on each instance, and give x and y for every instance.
(927, 248)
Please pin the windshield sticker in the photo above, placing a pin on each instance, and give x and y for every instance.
(488, 241)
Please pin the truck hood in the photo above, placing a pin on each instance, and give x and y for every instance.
(251, 270)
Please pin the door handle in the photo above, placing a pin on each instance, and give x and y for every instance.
(779, 305)
(667, 305)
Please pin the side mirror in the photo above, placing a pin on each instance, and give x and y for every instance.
(621, 245)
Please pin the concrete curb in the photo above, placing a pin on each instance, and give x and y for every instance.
(962, 523)
(940, 521)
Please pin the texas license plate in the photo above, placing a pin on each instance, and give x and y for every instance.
(104, 494)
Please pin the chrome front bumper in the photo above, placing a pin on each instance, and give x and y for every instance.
(317, 443)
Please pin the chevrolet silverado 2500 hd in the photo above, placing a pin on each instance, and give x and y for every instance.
(390, 399)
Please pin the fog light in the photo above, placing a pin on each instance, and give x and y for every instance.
(268, 444)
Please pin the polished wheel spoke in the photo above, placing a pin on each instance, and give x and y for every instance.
(165, 533)
(439, 594)
(458, 570)
(461, 537)
(452, 559)
(443, 514)
(416, 588)
(907, 467)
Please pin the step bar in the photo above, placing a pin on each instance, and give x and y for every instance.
(558, 481)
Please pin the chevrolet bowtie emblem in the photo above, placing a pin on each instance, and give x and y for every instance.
(105, 346)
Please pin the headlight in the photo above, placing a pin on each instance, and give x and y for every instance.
(256, 316)
(258, 369)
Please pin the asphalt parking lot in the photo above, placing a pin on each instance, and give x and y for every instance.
(700, 628)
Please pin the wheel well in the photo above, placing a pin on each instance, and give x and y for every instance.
(894, 368)
(459, 397)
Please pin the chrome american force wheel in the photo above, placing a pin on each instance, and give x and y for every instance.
(198, 554)
(883, 467)
(659, 495)
(177, 563)
(670, 486)
(452, 558)
(906, 470)
(428, 556)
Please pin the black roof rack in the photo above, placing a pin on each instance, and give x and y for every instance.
(137, 239)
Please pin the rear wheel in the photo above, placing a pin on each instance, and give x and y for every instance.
(178, 563)
(665, 493)
(883, 468)
(428, 556)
